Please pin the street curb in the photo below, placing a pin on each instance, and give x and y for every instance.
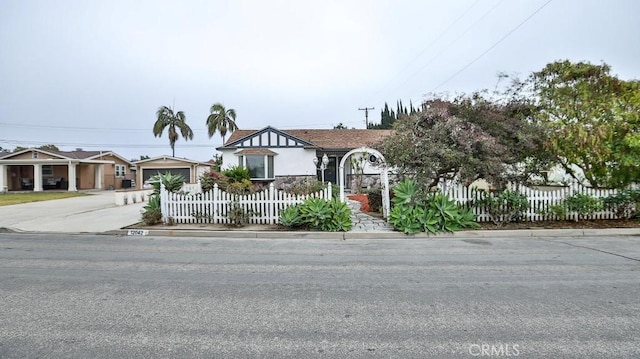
(505, 234)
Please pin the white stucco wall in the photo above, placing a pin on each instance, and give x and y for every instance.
(287, 162)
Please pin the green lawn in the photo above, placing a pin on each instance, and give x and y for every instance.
(17, 198)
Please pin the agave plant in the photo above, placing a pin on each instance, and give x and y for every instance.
(173, 183)
(290, 216)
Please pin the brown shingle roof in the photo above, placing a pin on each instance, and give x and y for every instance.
(327, 139)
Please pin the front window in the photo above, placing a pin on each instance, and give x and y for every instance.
(120, 170)
(260, 166)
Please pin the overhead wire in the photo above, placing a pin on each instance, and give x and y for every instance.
(492, 46)
(428, 47)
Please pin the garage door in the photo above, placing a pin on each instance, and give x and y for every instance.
(150, 172)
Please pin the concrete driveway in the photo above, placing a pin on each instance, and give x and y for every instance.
(93, 214)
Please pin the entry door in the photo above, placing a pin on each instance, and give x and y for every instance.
(331, 173)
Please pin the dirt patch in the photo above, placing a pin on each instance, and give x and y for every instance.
(591, 224)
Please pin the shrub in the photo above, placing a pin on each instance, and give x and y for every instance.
(290, 216)
(438, 213)
(583, 204)
(306, 186)
(314, 212)
(504, 207)
(625, 203)
(237, 174)
(240, 188)
(209, 179)
(239, 216)
(318, 214)
(172, 183)
(151, 212)
(339, 217)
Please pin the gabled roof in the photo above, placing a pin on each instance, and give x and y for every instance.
(243, 135)
(66, 155)
(4, 153)
(326, 139)
(109, 153)
(169, 158)
(58, 154)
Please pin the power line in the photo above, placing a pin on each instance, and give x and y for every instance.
(49, 127)
(430, 45)
(97, 145)
(430, 61)
(492, 46)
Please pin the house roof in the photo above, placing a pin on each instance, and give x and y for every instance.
(169, 158)
(109, 153)
(327, 139)
(4, 153)
(66, 155)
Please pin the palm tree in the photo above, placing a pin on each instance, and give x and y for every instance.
(166, 118)
(221, 120)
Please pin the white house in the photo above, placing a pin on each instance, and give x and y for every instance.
(272, 154)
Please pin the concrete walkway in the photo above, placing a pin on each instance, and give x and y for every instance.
(363, 222)
(93, 214)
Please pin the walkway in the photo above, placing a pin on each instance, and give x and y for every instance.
(363, 222)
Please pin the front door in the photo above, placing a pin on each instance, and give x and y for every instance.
(330, 174)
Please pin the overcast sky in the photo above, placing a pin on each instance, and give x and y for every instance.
(92, 74)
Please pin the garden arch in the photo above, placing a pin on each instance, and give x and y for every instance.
(384, 175)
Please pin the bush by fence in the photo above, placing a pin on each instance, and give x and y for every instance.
(541, 201)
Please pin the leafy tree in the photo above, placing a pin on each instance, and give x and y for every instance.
(142, 157)
(49, 147)
(174, 121)
(592, 118)
(466, 139)
(221, 120)
(340, 126)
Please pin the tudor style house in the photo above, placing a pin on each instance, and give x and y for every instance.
(271, 154)
(36, 170)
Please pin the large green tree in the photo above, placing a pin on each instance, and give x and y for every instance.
(174, 121)
(221, 120)
(466, 139)
(592, 118)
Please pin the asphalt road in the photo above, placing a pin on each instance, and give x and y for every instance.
(139, 297)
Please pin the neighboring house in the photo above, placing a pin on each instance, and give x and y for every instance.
(190, 169)
(37, 170)
(271, 154)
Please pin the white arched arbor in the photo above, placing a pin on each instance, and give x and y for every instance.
(384, 175)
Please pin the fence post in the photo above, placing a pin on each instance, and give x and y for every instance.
(271, 205)
(164, 203)
(214, 203)
(328, 192)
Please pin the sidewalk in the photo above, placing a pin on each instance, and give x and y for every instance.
(95, 213)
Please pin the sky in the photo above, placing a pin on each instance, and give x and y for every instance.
(91, 74)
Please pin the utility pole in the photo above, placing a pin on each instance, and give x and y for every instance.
(366, 115)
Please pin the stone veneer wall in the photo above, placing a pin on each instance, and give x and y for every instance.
(286, 182)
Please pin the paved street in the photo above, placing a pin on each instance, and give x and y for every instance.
(98, 296)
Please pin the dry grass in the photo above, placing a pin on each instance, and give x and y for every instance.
(18, 198)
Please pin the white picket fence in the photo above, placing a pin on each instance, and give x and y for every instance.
(539, 200)
(194, 206)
